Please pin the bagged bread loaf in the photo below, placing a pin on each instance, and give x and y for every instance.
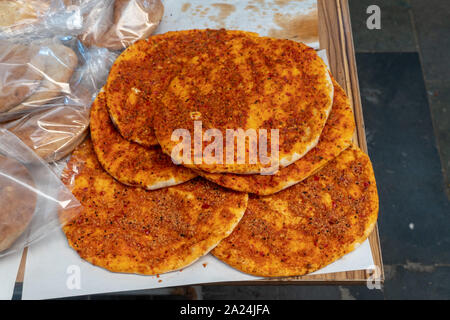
(52, 133)
(30, 196)
(20, 73)
(115, 24)
(46, 90)
(17, 201)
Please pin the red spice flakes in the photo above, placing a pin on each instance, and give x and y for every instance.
(204, 265)
(159, 280)
(205, 206)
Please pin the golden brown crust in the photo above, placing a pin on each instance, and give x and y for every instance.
(308, 226)
(128, 162)
(141, 74)
(17, 202)
(126, 229)
(335, 138)
(253, 83)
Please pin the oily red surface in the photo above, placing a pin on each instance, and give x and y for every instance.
(257, 83)
(308, 226)
(128, 229)
(335, 138)
(141, 74)
(129, 162)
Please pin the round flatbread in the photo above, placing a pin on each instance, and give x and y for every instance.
(21, 68)
(308, 226)
(141, 74)
(17, 202)
(59, 63)
(128, 162)
(52, 133)
(254, 84)
(335, 138)
(122, 23)
(126, 229)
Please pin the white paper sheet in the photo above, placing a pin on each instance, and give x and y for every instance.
(9, 266)
(294, 19)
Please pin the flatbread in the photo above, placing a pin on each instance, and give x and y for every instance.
(255, 83)
(52, 133)
(17, 202)
(128, 162)
(335, 138)
(141, 74)
(308, 226)
(59, 64)
(21, 69)
(125, 22)
(126, 229)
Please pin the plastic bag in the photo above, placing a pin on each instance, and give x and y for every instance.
(20, 72)
(46, 89)
(116, 24)
(91, 74)
(33, 199)
(48, 78)
(41, 18)
(52, 133)
(112, 24)
(34, 74)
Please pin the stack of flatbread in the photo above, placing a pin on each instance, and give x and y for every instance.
(155, 203)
